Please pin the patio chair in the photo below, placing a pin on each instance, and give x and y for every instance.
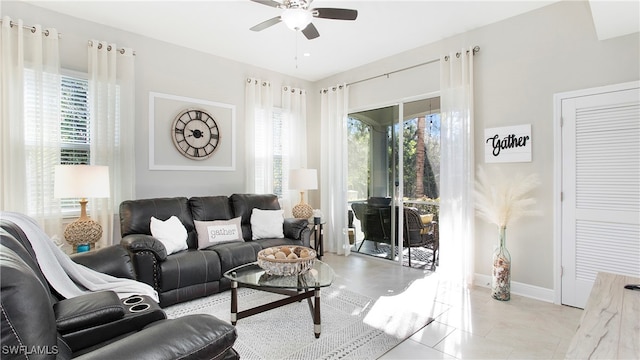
(375, 222)
(418, 234)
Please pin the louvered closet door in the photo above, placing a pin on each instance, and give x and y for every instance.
(601, 190)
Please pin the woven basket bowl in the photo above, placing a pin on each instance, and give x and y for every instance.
(286, 267)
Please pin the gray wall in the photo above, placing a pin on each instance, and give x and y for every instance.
(522, 63)
(169, 69)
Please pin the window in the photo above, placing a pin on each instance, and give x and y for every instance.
(271, 153)
(280, 158)
(422, 157)
(359, 146)
(75, 131)
(66, 127)
(74, 121)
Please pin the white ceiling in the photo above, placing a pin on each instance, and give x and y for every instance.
(221, 27)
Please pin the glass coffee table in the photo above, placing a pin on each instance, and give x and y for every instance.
(296, 287)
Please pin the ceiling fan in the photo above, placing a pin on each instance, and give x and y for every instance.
(298, 16)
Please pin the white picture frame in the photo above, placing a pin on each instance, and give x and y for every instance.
(163, 155)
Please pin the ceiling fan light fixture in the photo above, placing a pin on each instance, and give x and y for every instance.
(296, 19)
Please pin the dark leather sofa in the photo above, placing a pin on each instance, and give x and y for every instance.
(194, 273)
(37, 323)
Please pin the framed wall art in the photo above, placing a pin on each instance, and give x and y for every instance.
(508, 144)
(191, 134)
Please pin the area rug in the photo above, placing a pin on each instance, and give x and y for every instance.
(349, 331)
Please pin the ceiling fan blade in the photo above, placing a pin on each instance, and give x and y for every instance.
(310, 32)
(333, 13)
(271, 3)
(265, 24)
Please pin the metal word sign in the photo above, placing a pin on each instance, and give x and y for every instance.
(507, 144)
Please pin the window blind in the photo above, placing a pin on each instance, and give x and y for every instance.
(74, 125)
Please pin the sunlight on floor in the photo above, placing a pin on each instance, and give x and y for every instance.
(404, 313)
(468, 323)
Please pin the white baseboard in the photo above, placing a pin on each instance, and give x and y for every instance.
(517, 288)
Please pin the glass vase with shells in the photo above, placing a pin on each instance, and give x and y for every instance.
(501, 200)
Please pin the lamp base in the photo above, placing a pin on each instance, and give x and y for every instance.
(83, 231)
(83, 248)
(302, 211)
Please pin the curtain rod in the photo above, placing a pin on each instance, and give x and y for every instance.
(109, 48)
(446, 58)
(32, 28)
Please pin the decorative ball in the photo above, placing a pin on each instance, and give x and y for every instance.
(83, 231)
(302, 211)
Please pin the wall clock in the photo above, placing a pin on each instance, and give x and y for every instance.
(195, 134)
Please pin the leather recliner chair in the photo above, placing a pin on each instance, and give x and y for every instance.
(37, 323)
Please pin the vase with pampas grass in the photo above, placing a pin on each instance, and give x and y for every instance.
(501, 201)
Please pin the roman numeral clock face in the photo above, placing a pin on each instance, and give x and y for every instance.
(195, 134)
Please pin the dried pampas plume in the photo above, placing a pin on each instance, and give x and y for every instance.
(504, 199)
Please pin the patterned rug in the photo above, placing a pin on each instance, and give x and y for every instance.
(350, 328)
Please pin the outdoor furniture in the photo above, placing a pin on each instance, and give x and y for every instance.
(375, 222)
(420, 234)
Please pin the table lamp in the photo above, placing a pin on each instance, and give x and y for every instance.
(82, 181)
(303, 179)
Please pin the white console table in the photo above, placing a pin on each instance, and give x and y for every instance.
(610, 325)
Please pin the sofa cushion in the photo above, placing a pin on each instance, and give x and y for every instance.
(206, 208)
(236, 254)
(171, 233)
(135, 216)
(218, 232)
(243, 204)
(267, 243)
(267, 224)
(189, 267)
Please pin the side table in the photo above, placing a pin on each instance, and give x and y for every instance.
(318, 246)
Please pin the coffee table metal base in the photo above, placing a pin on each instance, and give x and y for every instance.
(292, 297)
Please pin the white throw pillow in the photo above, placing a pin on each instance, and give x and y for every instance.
(218, 231)
(267, 224)
(171, 233)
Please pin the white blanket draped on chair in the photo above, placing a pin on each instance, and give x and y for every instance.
(68, 278)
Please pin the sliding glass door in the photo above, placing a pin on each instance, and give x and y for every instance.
(371, 170)
(393, 162)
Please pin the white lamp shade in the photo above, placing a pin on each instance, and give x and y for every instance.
(296, 19)
(81, 181)
(303, 179)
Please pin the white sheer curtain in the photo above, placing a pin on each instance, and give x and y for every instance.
(457, 166)
(294, 140)
(112, 112)
(30, 110)
(259, 136)
(333, 178)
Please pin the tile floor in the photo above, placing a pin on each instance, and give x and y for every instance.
(468, 323)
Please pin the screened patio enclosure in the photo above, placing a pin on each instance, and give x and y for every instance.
(393, 179)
